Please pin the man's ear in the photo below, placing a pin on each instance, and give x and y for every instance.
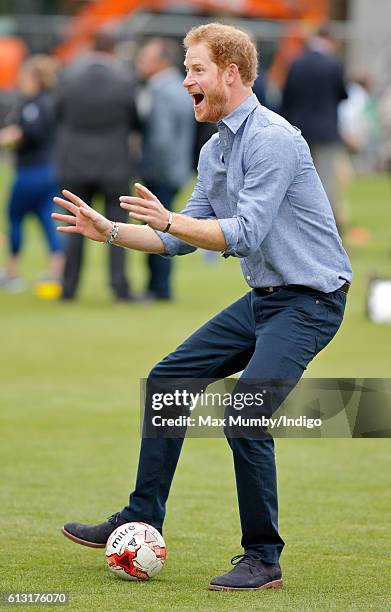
(231, 74)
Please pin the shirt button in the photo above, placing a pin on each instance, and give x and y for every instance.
(248, 277)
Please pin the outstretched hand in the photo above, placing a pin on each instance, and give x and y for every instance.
(83, 219)
(146, 207)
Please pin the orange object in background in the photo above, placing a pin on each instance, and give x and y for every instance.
(98, 13)
(12, 53)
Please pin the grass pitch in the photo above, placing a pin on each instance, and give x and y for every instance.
(69, 394)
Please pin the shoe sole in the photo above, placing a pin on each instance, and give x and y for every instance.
(275, 584)
(77, 540)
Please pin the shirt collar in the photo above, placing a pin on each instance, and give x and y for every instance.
(234, 120)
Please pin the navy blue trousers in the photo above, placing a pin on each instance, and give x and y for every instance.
(268, 336)
(160, 268)
(33, 191)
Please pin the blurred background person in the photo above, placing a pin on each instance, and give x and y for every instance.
(35, 184)
(359, 124)
(385, 122)
(168, 127)
(96, 111)
(312, 92)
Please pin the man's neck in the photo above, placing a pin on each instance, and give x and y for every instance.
(237, 99)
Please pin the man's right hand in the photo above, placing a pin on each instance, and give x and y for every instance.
(83, 219)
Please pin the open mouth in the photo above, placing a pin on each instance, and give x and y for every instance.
(197, 98)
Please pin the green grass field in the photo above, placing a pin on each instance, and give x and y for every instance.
(69, 394)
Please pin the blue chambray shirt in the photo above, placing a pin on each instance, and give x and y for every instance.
(257, 178)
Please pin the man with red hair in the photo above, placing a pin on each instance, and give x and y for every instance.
(258, 198)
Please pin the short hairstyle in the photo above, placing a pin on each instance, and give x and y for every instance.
(104, 40)
(227, 45)
(168, 49)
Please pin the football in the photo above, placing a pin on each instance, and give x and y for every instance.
(135, 551)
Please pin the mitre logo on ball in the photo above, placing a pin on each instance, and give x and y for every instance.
(135, 551)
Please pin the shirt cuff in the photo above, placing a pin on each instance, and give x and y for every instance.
(230, 229)
(174, 246)
(170, 243)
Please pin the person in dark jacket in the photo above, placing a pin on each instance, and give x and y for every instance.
(35, 184)
(166, 114)
(96, 112)
(313, 90)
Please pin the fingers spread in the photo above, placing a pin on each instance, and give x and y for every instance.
(73, 198)
(87, 212)
(144, 192)
(65, 204)
(139, 210)
(64, 218)
(128, 202)
(68, 229)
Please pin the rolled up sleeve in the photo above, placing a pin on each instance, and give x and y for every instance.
(271, 164)
(173, 246)
(230, 229)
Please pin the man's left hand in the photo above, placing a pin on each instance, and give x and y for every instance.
(146, 207)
